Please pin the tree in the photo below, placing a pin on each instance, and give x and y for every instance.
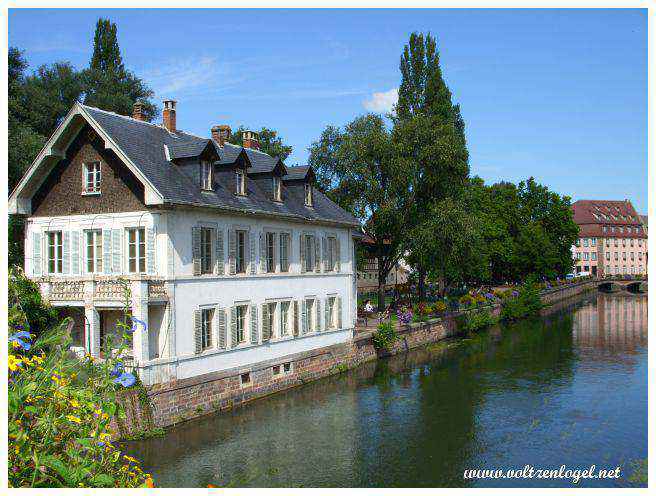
(429, 137)
(107, 83)
(359, 166)
(269, 140)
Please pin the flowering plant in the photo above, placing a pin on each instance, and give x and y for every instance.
(404, 317)
(60, 410)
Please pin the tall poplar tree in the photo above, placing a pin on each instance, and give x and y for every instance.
(429, 134)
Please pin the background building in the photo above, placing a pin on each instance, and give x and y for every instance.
(612, 238)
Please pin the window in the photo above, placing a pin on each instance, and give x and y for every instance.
(284, 252)
(632, 256)
(287, 367)
(271, 318)
(245, 379)
(270, 252)
(640, 242)
(92, 178)
(585, 241)
(309, 315)
(578, 256)
(309, 252)
(631, 241)
(241, 323)
(207, 315)
(206, 175)
(206, 250)
(608, 255)
(616, 242)
(94, 252)
(585, 255)
(241, 182)
(241, 252)
(578, 242)
(616, 255)
(593, 242)
(607, 241)
(624, 256)
(639, 255)
(276, 370)
(308, 195)
(55, 258)
(330, 312)
(277, 189)
(332, 253)
(603, 229)
(285, 308)
(593, 256)
(623, 241)
(137, 249)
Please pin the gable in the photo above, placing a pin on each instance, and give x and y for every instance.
(61, 193)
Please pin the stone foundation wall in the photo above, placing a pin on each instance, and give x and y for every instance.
(181, 400)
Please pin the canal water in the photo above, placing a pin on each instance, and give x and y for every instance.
(568, 388)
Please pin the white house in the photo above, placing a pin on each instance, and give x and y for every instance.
(229, 257)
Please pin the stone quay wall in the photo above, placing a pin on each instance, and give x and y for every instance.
(181, 400)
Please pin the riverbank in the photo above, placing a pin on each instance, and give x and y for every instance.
(182, 400)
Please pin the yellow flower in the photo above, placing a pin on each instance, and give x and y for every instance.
(130, 459)
(75, 404)
(14, 363)
(73, 418)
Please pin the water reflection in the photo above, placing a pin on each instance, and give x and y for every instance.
(567, 388)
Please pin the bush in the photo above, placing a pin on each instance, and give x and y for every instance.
(439, 307)
(478, 319)
(524, 303)
(60, 408)
(25, 296)
(385, 336)
(466, 300)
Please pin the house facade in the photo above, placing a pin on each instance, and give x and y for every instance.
(225, 256)
(612, 238)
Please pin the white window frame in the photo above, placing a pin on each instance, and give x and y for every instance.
(140, 249)
(206, 322)
(310, 240)
(92, 178)
(94, 263)
(206, 175)
(270, 251)
(310, 316)
(243, 319)
(55, 240)
(286, 319)
(240, 235)
(206, 249)
(309, 195)
(273, 319)
(331, 301)
(241, 182)
(277, 188)
(287, 250)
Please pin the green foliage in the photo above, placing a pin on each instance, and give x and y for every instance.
(25, 303)
(59, 413)
(527, 303)
(640, 472)
(385, 336)
(269, 140)
(478, 319)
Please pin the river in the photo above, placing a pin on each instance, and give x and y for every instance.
(568, 388)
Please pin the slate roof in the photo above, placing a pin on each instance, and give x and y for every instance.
(143, 143)
(294, 173)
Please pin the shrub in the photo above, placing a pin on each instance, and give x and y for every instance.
(466, 300)
(478, 319)
(439, 307)
(25, 296)
(524, 303)
(60, 408)
(385, 336)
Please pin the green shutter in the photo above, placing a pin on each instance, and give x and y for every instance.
(221, 327)
(197, 332)
(36, 254)
(250, 241)
(263, 252)
(66, 252)
(295, 316)
(338, 256)
(338, 301)
(232, 251)
(324, 260)
(317, 313)
(317, 254)
(233, 327)
(303, 261)
(304, 328)
(255, 339)
(326, 313)
(150, 251)
(195, 249)
(75, 252)
(266, 328)
(107, 251)
(219, 259)
(116, 250)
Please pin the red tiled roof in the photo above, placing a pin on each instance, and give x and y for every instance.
(593, 215)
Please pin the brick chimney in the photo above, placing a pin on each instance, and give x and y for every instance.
(168, 115)
(137, 111)
(221, 134)
(250, 140)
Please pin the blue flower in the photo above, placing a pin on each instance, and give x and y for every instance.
(117, 370)
(21, 339)
(125, 379)
(135, 322)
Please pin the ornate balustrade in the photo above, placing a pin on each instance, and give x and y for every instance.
(67, 290)
(157, 290)
(109, 290)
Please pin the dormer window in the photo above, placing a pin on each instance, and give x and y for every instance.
(92, 178)
(206, 175)
(241, 182)
(277, 189)
(308, 195)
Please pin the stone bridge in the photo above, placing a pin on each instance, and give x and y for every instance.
(611, 284)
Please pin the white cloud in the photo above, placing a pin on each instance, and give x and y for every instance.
(382, 102)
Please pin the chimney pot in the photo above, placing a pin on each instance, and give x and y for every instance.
(221, 134)
(250, 140)
(168, 115)
(137, 111)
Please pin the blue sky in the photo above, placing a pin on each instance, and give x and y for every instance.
(557, 94)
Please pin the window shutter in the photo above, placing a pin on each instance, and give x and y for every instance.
(36, 254)
(251, 261)
(219, 262)
(233, 327)
(324, 248)
(150, 250)
(195, 249)
(303, 261)
(317, 254)
(266, 329)
(338, 256)
(116, 250)
(197, 332)
(253, 314)
(221, 327)
(232, 251)
(107, 250)
(304, 328)
(263, 252)
(317, 304)
(338, 302)
(295, 316)
(66, 252)
(326, 313)
(75, 252)
(276, 249)
(95, 333)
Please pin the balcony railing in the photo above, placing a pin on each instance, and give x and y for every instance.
(109, 290)
(157, 290)
(69, 290)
